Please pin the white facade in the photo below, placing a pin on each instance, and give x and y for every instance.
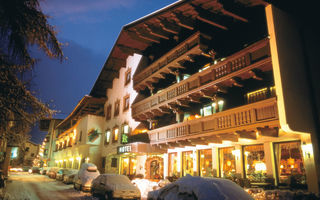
(121, 89)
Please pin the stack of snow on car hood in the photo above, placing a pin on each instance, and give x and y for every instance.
(189, 188)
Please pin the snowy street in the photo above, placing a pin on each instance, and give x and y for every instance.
(39, 187)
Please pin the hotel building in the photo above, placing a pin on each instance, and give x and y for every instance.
(217, 88)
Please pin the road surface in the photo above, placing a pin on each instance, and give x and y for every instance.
(24, 186)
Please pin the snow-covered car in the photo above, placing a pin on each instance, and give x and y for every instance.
(53, 172)
(198, 188)
(44, 170)
(114, 186)
(83, 179)
(68, 178)
(35, 170)
(61, 173)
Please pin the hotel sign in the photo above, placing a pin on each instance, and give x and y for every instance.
(124, 149)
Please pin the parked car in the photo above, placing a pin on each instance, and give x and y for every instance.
(68, 178)
(53, 172)
(61, 173)
(44, 170)
(114, 186)
(83, 179)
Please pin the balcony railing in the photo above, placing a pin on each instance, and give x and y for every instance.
(254, 56)
(259, 114)
(170, 59)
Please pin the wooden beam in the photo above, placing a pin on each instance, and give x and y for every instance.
(145, 35)
(128, 50)
(254, 75)
(235, 16)
(213, 139)
(183, 21)
(198, 141)
(169, 27)
(117, 62)
(247, 134)
(229, 137)
(174, 144)
(157, 32)
(269, 132)
(185, 143)
(134, 36)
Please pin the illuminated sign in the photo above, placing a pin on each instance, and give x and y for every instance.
(124, 139)
(124, 149)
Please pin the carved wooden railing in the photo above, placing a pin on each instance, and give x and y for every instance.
(225, 121)
(249, 58)
(169, 58)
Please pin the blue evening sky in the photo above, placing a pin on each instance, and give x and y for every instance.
(88, 29)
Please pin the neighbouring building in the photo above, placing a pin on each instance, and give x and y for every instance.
(48, 144)
(78, 136)
(31, 152)
(221, 92)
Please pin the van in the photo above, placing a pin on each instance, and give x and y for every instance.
(83, 179)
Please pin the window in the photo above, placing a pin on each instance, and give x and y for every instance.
(115, 135)
(254, 162)
(80, 137)
(227, 162)
(187, 163)
(107, 137)
(205, 163)
(116, 108)
(173, 164)
(126, 102)
(127, 77)
(108, 113)
(289, 162)
(125, 133)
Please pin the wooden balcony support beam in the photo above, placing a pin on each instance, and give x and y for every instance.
(235, 16)
(229, 137)
(236, 82)
(163, 146)
(174, 144)
(213, 139)
(247, 134)
(185, 143)
(254, 75)
(182, 103)
(197, 141)
(269, 132)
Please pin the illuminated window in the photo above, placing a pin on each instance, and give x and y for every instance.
(125, 133)
(107, 139)
(227, 162)
(205, 163)
(127, 77)
(173, 164)
(116, 108)
(187, 163)
(126, 102)
(254, 162)
(115, 135)
(207, 110)
(108, 113)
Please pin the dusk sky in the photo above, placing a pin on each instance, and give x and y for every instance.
(88, 30)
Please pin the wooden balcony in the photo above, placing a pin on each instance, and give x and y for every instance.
(240, 122)
(167, 63)
(223, 74)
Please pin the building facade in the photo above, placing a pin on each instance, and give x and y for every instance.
(217, 93)
(78, 136)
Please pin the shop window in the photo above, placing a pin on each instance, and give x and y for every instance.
(127, 77)
(115, 135)
(107, 137)
(126, 102)
(116, 108)
(173, 167)
(128, 166)
(108, 113)
(205, 163)
(187, 163)
(289, 163)
(227, 162)
(254, 163)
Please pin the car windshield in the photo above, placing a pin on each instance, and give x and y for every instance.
(118, 179)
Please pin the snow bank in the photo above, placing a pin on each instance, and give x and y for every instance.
(190, 187)
(145, 186)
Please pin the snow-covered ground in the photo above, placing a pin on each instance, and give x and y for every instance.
(24, 186)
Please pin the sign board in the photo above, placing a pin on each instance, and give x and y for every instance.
(124, 149)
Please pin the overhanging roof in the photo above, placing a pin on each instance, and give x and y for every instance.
(86, 106)
(165, 26)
